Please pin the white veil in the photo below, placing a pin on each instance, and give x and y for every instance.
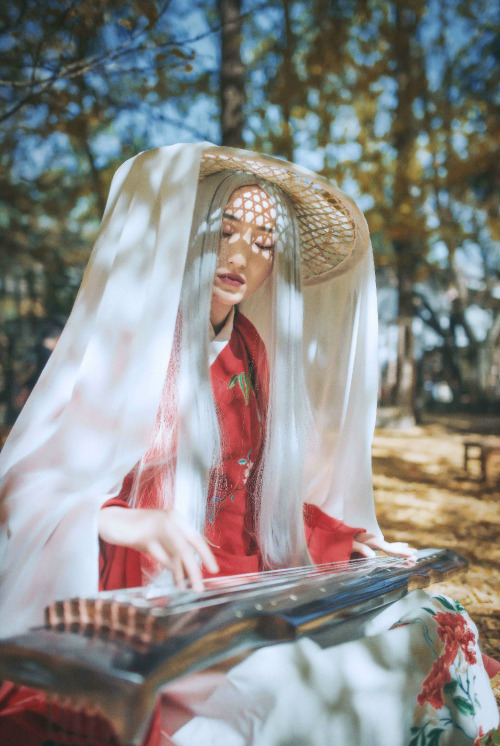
(90, 417)
(340, 362)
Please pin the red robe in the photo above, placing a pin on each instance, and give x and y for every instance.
(239, 377)
(239, 381)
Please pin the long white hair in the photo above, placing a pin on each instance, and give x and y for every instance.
(184, 458)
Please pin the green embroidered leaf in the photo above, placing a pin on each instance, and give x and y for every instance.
(463, 706)
(450, 686)
(496, 737)
(242, 461)
(444, 602)
(415, 740)
(245, 382)
(242, 380)
(434, 736)
(458, 606)
(431, 611)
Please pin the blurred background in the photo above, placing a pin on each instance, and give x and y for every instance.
(397, 102)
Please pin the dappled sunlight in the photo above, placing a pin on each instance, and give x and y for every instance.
(424, 497)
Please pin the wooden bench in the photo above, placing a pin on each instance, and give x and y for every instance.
(481, 449)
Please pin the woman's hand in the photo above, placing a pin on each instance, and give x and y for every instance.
(164, 535)
(365, 544)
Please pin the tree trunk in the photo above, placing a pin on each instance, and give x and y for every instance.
(405, 249)
(289, 74)
(404, 393)
(232, 78)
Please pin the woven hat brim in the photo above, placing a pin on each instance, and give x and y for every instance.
(333, 231)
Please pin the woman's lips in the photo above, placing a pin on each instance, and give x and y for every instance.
(230, 279)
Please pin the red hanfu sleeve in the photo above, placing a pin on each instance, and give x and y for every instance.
(328, 539)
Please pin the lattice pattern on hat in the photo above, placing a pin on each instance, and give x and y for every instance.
(326, 227)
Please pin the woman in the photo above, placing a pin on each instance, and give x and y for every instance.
(127, 392)
(259, 235)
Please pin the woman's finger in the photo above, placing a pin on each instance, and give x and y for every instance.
(395, 549)
(362, 549)
(192, 569)
(207, 557)
(158, 552)
(398, 550)
(178, 573)
(377, 542)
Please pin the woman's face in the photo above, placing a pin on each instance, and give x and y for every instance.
(246, 247)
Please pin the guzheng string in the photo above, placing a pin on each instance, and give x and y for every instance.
(135, 611)
(233, 587)
(182, 633)
(234, 583)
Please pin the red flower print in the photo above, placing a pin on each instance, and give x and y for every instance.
(481, 734)
(453, 631)
(432, 687)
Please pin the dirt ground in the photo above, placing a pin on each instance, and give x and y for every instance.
(425, 497)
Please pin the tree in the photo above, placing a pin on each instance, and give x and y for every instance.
(232, 77)
(85, 85)
(398, 103)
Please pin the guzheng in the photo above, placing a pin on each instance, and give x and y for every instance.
(111, 654)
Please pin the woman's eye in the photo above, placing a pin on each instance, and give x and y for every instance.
(264, 241)
(225, 234)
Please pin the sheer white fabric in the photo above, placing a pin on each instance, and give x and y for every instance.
(340, 361)
(90, 417)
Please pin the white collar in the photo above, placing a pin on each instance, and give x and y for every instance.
(219, 341)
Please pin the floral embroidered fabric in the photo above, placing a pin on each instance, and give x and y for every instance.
(414, 679)
(451, 705)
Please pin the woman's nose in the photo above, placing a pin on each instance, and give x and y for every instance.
(237, 258)
(239, 248)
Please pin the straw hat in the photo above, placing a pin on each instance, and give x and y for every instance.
(333, 231)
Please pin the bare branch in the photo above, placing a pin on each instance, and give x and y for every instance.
(37, 85)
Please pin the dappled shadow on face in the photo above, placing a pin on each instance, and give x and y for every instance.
(249, 217)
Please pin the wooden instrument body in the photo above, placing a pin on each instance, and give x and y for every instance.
(113, 653)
